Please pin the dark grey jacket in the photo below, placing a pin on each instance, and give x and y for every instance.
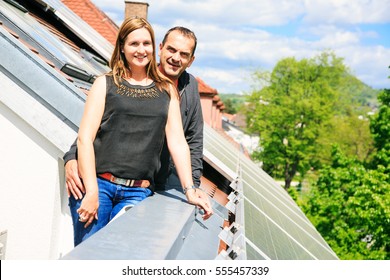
(192, 118)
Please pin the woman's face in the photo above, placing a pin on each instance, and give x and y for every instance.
(138, 48)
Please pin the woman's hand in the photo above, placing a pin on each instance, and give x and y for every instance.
(88, 209)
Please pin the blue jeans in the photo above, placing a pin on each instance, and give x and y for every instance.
(112, 198)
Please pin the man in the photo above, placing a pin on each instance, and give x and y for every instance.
(176, 54)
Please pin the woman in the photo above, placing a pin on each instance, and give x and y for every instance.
(127, 114)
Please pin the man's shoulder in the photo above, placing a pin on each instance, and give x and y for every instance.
(187, 78)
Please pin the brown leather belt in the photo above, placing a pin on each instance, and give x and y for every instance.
(125, 182)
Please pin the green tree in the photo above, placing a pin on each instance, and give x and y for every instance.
(229, 107)
(350, 203)
(288, 113)
(380, 129)
(232, 102)
(351, 132)
(350, 207)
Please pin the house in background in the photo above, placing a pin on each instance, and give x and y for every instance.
(49, 58)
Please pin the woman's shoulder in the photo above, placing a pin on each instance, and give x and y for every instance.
(101, 78)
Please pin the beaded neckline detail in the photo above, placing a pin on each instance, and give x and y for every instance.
(138, 91)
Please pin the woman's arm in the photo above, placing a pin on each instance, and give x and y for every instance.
(90, 122)
(180, 154)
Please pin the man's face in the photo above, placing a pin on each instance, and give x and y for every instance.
(175, 55)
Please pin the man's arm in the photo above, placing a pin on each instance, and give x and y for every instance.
(72, 153)
(74, 186)
(194, 132)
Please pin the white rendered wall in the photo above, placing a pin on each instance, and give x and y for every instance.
(33, 201)
(32, 197)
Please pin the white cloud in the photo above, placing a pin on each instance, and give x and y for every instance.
(230, 12)
(369, 64)
(236, 37)
(338, 38)
(233, 80)
(346, 11)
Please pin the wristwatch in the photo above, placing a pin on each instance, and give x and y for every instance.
(188, 188)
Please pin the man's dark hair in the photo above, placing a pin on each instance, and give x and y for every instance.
(185, 32)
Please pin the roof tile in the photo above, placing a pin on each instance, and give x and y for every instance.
(204, 88)
(95, 17)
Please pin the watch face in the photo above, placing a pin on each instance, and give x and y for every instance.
(188, 188)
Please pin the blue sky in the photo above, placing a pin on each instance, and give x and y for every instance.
(236, 38)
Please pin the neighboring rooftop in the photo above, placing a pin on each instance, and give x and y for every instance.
(96, 18)
(205, 88)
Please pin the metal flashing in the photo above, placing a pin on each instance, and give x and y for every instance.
(40, 80)
(82, 29)
(162, 227)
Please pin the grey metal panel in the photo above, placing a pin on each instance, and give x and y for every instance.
(40, 80)
(202, 241)
(32, 114)
(82, 29)
(161, 227)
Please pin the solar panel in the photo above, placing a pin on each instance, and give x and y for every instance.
(273, 226)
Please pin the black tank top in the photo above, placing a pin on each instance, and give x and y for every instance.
(130, 137)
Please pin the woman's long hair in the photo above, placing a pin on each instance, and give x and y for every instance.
(118, 63)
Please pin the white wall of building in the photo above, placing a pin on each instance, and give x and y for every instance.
(33, 199)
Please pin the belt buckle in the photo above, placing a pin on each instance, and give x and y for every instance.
(121, 181)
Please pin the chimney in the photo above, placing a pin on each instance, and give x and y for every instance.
(136, 9)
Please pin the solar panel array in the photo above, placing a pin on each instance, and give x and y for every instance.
(272, 225)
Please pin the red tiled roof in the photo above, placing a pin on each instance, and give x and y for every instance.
(96, 18)
(230, 117)
(204, 88)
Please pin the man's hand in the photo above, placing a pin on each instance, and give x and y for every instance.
(74, 185)
(199, 198)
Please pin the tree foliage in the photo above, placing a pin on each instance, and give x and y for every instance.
(380, 130)
(232, 102)
(351, 132)
(350, 207)
(350, 203)
(349, 126)
(290, 111)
